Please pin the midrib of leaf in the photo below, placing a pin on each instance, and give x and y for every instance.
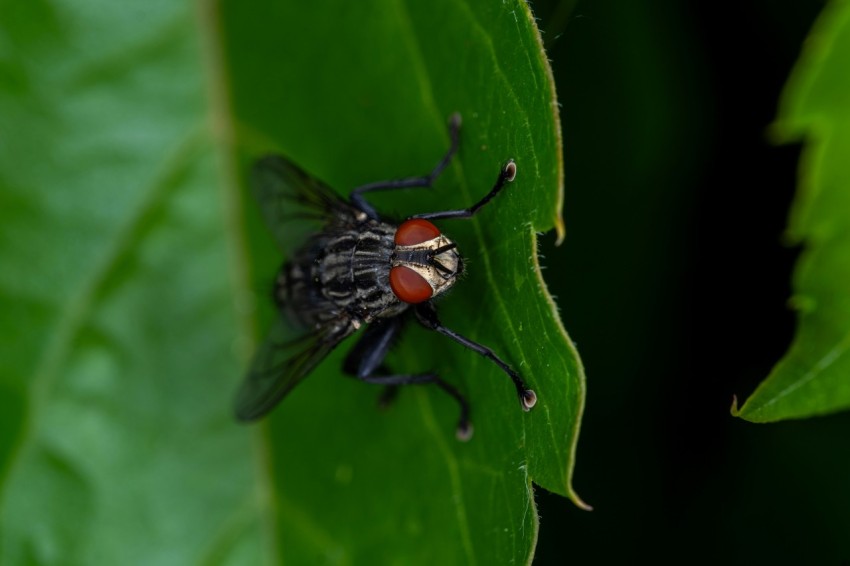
(422, 73)
(426, 88)
(223, 128)
(427, 412)
(482, 31)
(494, 286)
(418, 64)
(78, 307)
(558, 222)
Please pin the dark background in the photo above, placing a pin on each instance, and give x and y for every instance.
(673, 282)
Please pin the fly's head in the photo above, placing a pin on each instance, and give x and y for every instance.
(425, 263)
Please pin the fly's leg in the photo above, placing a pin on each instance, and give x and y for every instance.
(464, 427)
(427, 315)
(368, 355)
(357, 194)
(506, 175)
(369, 352)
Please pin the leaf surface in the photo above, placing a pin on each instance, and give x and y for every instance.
(118, 327)
(812, 378)
(136, 275)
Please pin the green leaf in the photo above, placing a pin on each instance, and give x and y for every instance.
(135, 276)
(812, 378)
(362, 93)
(118, 363)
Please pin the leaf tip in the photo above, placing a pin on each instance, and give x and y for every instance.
(779, 133)
(733, 410)
(578, 502)
(559, 229)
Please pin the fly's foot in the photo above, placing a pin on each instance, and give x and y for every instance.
(509, 171)
(464, 430)
(528, 398)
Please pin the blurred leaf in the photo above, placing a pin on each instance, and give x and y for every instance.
(118, 446)
(128, 286)
(812, 378)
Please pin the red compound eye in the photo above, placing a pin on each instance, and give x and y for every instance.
(415, 231)
(409, 286)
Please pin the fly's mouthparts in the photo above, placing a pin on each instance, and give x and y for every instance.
(441, 268)
(443, 249)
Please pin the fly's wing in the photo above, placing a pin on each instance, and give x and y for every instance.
(284, 359)
(293, 201)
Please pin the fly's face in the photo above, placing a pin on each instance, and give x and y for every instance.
(424, 264)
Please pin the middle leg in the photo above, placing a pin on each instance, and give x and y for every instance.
(366, 358)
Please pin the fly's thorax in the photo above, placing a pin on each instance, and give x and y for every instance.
(340, 272)
(424, 270)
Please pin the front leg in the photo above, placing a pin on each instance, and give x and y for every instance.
(425, 181)
(427, 316)
(506, 175)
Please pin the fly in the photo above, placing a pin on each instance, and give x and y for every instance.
(358, 270)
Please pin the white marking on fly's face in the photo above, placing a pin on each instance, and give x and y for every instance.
(439, 279)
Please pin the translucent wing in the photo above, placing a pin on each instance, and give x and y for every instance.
(292, 200)
(284, 359)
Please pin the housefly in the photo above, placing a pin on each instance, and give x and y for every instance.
(358, 270)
